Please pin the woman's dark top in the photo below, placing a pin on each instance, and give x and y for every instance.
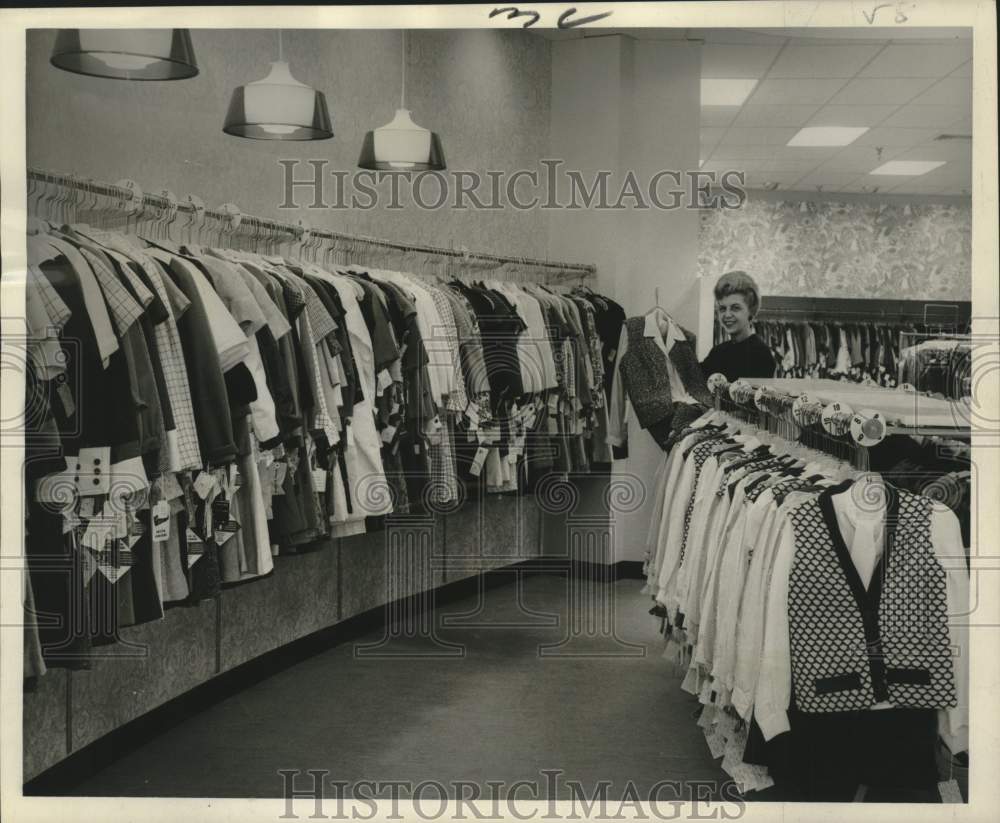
(747, 358)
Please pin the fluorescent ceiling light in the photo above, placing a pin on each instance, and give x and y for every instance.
(908, 167)
(726, 92)
(827, 135)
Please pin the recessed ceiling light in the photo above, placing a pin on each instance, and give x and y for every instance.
(908, 167)
(827, 135)
(732, 92)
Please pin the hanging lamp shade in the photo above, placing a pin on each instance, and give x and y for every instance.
(278, 107)
(402, 145)
(126, 54)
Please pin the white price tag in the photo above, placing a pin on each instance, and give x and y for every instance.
(319, 479)
(204, 485)
(161, 521)
(384, 380)
(388, 433)
(477, 461)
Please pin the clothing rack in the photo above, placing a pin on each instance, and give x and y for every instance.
(952, 314)
(847, 433)
(233, 220)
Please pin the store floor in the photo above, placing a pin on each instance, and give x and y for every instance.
(599, 708)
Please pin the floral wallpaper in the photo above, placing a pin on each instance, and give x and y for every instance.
(847, 249)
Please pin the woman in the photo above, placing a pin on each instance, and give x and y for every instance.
(744, 354)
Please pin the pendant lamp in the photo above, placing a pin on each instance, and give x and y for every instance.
(126, 54)
(402, 145)
(278, 107)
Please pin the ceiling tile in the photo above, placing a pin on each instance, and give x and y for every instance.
(719, 60)
(951, 91)
(718, 115)
(822, 61)
(758, 136)
(787, 115)
(926, 117)
(881, 91)
(788, 165)
(885, 136)
(859, 159)
(727, 152)
(851, 115)
(787, 91)
(954, 151)
(827, 179)
(919, 60)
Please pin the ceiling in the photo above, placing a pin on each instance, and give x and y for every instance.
(908, 89)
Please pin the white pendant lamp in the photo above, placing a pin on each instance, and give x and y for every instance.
(402, 145)
(126, 54)
(278, 107)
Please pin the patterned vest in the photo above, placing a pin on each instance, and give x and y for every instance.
(852, 648)
(645, 374)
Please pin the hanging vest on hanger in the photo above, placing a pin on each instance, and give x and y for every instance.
(645, 374)
(852, 648)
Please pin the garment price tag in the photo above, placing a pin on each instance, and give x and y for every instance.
(161, 521)
(225, 530)
(169, 487)
(384, 380)
(66, 398)
(473, 414)
(93, 475)
(195, 547)
(489, 435)
(279, 470)
(349, 434)
(220, 511)
(554, 403)
(388, 434)
(87, 508)
(319, 480)
(553, 425)
(204, 485)
(70, 521)
(716, 741)
(477, 461)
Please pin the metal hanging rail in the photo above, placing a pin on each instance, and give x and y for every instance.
(296, 230)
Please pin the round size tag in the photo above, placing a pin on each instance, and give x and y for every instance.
(197, 207)
(131, 195)
(231, 212)
(760, 399)
(717, 382)
(868, 427)
(171, 198)
(836, 418)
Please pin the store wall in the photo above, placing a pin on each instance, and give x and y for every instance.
(169, 135)
(628, 106)
(844, 248)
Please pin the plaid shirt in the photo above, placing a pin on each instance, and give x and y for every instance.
(168, 345)
(124, 309)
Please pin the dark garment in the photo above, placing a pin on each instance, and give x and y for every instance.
(827, 757)
(746, 358)
(103, 403)
(645, 375)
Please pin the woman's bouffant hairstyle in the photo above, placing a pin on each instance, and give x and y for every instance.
(739, 282)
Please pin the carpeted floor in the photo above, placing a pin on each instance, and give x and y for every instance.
(495, 695)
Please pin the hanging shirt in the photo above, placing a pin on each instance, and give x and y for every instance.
(863, 532)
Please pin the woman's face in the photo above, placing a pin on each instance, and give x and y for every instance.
(734, 315)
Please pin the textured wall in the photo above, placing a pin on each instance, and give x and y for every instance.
(850, 249)
(170, 134)
(305, 594)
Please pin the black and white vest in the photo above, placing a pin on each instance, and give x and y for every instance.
(852, 648)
